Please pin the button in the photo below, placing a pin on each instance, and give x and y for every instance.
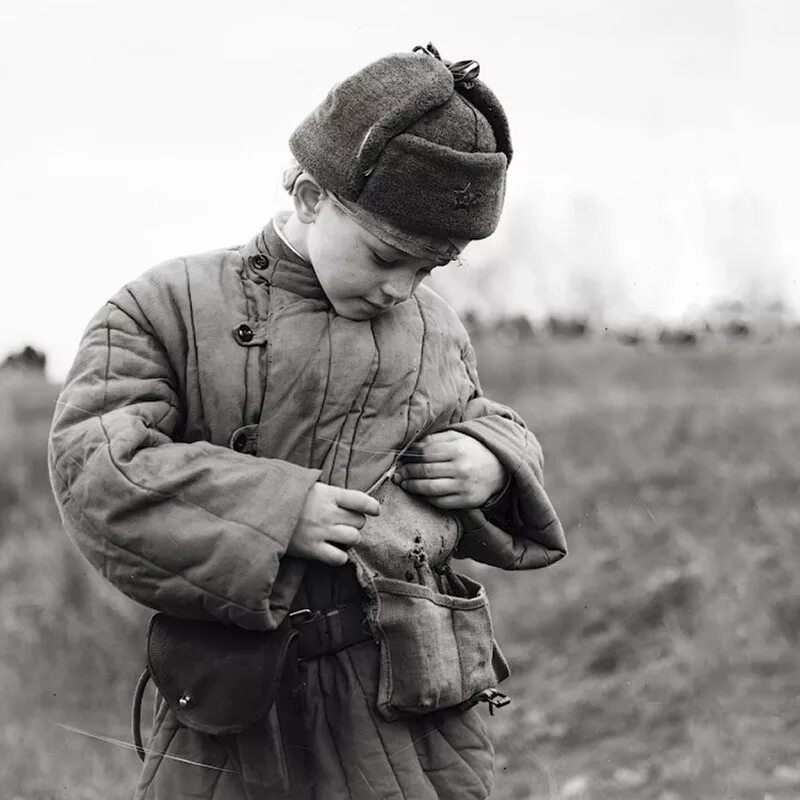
(244, 333)
(185, 701)
(240, 442)
(259, 261)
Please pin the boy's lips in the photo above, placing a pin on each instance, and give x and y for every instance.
(377, 306)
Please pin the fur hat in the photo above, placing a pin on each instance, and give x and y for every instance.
(414, 140)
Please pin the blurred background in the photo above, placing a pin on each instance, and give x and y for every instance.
(637, 305)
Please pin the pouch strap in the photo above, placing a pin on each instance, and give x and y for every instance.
(136, 712)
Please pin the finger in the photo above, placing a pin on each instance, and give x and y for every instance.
(439, 451)
(351, 518)
(343, 534)
(330, 554)
(424, 469)
(440, 436)
(357, 501)
(437, 487)
(450, 502)
(413, 453)
(416, 449)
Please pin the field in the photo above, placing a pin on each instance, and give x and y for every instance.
(658, 661)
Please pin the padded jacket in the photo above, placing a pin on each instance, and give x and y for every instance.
(205, 400)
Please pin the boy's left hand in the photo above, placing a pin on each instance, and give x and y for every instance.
(452, 470)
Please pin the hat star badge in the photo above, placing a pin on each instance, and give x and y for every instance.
(466, 197)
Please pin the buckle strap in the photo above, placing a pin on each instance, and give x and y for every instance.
(492, 697)
(325, 631)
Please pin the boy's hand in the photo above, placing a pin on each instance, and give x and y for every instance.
(452, 470)
(331, 516)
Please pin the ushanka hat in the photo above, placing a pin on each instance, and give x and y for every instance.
(412, 140)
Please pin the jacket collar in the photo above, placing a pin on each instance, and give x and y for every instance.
(283, 267)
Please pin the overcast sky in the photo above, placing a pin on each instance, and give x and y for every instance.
(656, 164)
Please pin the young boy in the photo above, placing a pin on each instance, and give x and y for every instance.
(291, 436)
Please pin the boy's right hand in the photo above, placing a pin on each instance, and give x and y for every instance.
(330, 523)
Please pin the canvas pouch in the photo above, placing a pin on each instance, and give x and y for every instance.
(437, 649)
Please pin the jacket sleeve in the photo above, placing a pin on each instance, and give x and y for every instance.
(193, 529)
(518, 529)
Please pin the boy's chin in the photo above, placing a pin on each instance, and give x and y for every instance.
(357, 309)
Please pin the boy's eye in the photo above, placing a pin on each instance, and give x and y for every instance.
(382, 261)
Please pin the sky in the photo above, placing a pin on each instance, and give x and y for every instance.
(655, 169)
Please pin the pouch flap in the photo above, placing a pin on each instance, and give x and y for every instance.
(217, 679)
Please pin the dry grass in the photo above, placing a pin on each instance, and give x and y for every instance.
(69, 651)
(659, 658)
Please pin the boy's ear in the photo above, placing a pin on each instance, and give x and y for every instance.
(306, 197)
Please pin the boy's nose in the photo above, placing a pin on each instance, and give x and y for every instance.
(393, 294)
(399, 288)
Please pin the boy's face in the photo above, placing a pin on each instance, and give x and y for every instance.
(361, 275)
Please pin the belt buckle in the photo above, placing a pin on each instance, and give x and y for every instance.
(321, 630)
(302, 615)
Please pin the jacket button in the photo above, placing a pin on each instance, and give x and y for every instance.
(259, 261)
(185, 701)
(240, 442)
(244, 333)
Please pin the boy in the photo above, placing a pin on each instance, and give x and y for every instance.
(225, 439)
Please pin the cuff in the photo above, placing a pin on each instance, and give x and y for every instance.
(497, 496)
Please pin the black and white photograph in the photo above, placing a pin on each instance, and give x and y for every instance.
(400, 401)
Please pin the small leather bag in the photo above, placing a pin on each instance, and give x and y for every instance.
(221, 680)
(217, 679)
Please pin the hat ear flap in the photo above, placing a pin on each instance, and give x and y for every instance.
(483, 98)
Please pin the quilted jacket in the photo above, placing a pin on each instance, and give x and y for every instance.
(206, 398)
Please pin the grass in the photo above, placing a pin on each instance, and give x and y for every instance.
(68, 642)
(659, 657)
(658, 661)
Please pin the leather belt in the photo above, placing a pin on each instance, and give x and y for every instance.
(329, 630)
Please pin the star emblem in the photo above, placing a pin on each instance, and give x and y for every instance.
(466, 197)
